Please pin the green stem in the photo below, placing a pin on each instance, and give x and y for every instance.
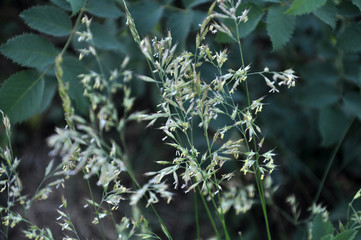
(208, 213)
(257, 171)
(196, 214)
(95, 209)
(131, 174)
(135, 181)
(67, 44)
(219, 213)
(330, 162)
(262, 198)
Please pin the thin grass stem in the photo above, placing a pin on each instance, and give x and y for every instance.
(208, 213)
(330, 161)
(196, 213)
(256, 169)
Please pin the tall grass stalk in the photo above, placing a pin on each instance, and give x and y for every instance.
(187, 100)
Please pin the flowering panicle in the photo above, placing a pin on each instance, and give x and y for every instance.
(241, 199)
(188, 100)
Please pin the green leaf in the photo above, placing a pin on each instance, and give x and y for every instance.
(146, 22)
(193, 3)
(327, 237)
(49, 168)
(50, 87)
(198, 18)
(144, 235)
(254, 16)
(320, 72)
(332, 125)
(321, 228)
(318, 95)
(346, 235)
(72, 67)
(347, 9)
(300, 7)
(164, 229)
(49, 20)
(21, 95)
(350, 39)
(179, 24)
(352, 69)
(103, 37)
(76, 5)
(261, 2)
(62, 4)
(104, 8)
(29, 50)
(327, 14)
(146, 79)
(279, 26)
(357, 3)
(352, 102)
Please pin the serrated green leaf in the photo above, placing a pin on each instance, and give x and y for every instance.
(346, 235)
(72, 67)
(62, 4)
(327, 14)
(29, 50)
(76, 5)
(357, 3)
(179, 23)
(193, 3)
(332, 125)
(300, 7)
(104, 8)
(49, 20)
(321, 228)
(279, 26)
(350, 38)
(146, 22)
(21, 95)
(50, 86)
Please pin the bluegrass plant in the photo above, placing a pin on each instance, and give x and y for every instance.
(192, 105)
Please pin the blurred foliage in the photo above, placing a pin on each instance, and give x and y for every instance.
(319, 39)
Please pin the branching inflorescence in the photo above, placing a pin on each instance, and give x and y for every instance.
(197, 91)
(190, 101)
